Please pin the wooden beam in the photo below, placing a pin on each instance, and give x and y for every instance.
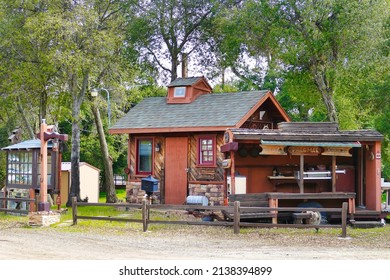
(273, 203)
(301, 169)
(236, 225)
(231, 146)
(232, 174)
(145, 215)
(272, 150)
(43, 204)
(333, 173)
(344, 219)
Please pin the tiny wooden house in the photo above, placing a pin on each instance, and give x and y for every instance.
(177, 138)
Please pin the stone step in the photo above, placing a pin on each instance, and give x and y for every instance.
(367, 224)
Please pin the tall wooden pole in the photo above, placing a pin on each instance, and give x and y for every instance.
(43, 205)
(301, 170)
(334, 174)
(232, 174)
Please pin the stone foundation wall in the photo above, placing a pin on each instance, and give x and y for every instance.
(214, 193)
(43, 218)
(134, 194)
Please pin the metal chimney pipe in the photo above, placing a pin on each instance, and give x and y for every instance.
(184, 65)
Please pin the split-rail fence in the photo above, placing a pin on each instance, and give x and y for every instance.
(236, 208)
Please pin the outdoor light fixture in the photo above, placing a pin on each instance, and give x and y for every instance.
(94, 93)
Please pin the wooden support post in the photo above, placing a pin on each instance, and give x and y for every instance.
(351, 205)
(74, 210)
(333, 173)
(232, 174)
(237, 217)
(273, 203)
(351, 208)
(32, 203)
(387, 198)
(301, 166)
(43, 204)
(344, 210)
(4, 202)
(145, 215)
(37, 199)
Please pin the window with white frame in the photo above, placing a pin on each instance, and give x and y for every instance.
(179, 92)
(206, 150)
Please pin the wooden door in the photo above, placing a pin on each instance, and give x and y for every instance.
(176, 150)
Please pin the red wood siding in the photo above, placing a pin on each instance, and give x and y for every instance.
(203, 173)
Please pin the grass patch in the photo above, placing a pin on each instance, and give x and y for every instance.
(120, 194)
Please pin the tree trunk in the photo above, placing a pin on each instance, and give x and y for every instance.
(108, 173)
(326, 93)
(174, 66)
(43, 105)
(78, 96)
(26, 123)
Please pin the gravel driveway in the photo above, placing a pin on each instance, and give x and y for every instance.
(18, 242)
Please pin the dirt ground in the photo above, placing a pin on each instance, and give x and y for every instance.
(83, 242)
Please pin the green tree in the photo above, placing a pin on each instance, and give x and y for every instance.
(89, 41)
(334, 41)
(27, 77)
(55, 52)
(164, 31)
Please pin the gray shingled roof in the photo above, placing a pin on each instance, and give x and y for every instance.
(208, 110)
(25, 145)
(280, 135)
(184, 81)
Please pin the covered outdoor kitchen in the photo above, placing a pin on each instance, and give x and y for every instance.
(306, 162)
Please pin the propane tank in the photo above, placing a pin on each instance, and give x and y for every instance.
(58, 201)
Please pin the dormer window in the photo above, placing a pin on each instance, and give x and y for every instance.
(179, 92)
(186, 90)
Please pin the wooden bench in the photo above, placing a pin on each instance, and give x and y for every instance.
(249, 200)
(301, 218)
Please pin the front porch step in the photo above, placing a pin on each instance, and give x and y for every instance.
(367, 224)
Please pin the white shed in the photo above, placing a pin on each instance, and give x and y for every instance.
(89, 181)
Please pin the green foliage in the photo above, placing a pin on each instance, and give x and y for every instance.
(299, 97)
(227, 87)
(162, 30)
(3, 143)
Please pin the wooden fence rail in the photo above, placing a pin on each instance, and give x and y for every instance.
(4, 202)
(236, 224)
